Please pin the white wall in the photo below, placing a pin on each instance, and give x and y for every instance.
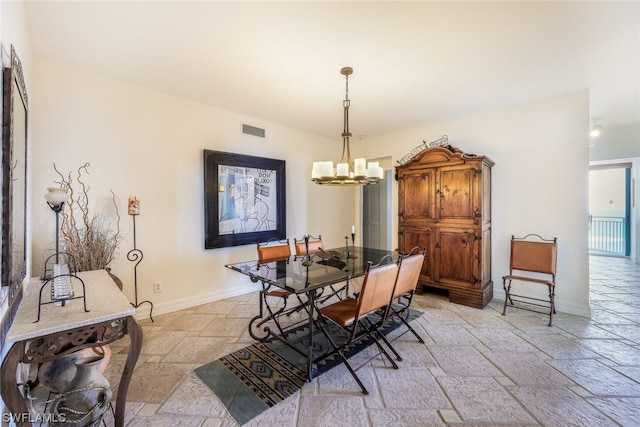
(148, 143)
(540, 181)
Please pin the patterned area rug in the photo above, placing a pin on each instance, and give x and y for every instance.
(255, 378)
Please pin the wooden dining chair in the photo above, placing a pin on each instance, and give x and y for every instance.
(533, 260)
(409, 268)
(273, 255)
(359, 317)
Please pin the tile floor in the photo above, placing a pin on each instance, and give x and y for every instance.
(476, 367)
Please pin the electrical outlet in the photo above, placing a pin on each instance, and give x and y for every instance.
(157, 287)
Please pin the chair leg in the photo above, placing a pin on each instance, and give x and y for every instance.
(552, 308)
(353, 373)
(393, 350)
(259, 329)
(507, 295)
(399, 315)
(370, 331)
(338, 350)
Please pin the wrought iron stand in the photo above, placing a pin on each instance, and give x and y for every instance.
(135, 255)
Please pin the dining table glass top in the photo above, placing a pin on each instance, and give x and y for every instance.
(296, 274)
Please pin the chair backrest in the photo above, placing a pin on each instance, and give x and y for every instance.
(538, 256)
(408, 273)
(315, 245)
(377, 288)
(273, 250)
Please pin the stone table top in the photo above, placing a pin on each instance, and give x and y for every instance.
(104, 302)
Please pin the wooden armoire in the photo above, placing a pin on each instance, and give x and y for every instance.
(444, 205)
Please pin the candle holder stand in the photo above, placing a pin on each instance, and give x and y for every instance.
(135, 255)
(307, 258)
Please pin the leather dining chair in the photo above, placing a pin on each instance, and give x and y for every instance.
(359, 317)
(409, 268)
(271, 254)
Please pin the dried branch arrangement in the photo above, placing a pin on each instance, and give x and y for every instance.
(92, 239)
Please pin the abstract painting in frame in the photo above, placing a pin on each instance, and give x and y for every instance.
(244, 199)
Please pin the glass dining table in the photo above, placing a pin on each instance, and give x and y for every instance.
(310, 276)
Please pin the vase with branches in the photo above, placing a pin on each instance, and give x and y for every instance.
(90, 239)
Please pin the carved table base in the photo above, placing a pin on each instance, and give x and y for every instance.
(49, 347)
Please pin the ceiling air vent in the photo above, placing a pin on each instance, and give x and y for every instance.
(252, 130)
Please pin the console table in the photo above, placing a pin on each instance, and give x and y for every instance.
(64, 329)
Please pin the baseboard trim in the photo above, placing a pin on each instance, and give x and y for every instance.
(143, 311)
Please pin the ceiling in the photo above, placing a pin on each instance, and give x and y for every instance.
(414, 62)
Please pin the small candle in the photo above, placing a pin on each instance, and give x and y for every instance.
(134, 205)
(353, 229)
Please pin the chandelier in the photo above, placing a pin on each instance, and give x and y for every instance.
(347, 171)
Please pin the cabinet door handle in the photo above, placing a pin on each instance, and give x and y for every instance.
(401, 215)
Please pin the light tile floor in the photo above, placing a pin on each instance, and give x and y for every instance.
(476, 367)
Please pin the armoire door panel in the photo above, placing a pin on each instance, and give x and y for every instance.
(418, 196)
(458, 194)
(409, 238)
(456, 260)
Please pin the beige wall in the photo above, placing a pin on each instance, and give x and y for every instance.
(148, 143)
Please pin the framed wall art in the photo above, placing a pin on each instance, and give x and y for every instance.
(244, 199)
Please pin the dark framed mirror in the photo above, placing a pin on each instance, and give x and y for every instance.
(15, 108)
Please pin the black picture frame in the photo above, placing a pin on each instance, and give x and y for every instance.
(15, 109)
(14, 175)
(244, 199)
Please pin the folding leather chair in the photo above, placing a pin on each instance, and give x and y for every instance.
(409, 268)
(273, 254)
(534, 259)
(358, 317)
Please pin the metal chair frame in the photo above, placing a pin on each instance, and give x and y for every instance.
(409, 268)
(278, 251)
(532, 254)
(354, 315)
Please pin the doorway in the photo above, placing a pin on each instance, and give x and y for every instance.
(610, 209)
(376, 214)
